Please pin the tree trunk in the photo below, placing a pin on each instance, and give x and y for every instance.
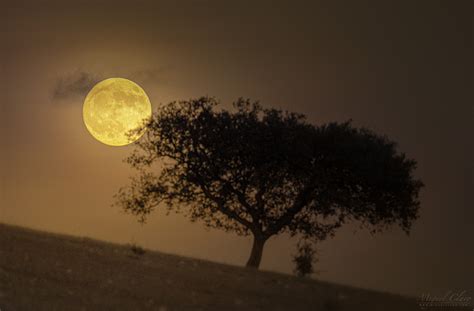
(256, 254)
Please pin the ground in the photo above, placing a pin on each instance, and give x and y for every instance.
(44, 271)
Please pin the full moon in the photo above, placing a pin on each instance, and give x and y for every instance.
(113, 108)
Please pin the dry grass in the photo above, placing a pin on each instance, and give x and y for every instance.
(42, 271)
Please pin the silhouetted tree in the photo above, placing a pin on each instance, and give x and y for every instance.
(264, 172)
(304, 258)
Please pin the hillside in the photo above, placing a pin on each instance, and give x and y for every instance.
(44, 271)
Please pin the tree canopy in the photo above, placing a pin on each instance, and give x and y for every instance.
(264, 172)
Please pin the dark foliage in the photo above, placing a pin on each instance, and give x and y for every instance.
(304, 259)
(264, 172)
(137, 250)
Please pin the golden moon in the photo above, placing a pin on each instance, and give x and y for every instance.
(113, 108)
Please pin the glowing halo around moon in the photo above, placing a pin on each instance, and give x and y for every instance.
(113, 108)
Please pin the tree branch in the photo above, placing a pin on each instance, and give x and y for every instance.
(223, 209)
(300, 202)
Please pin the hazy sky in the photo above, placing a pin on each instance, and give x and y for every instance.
(403, 68)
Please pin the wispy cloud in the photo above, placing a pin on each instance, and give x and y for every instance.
(74, 84)
(79, 83)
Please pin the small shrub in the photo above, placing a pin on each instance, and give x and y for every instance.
(304, 259)
(137, 250)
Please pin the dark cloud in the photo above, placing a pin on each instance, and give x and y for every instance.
(74, 84)
(79, 83)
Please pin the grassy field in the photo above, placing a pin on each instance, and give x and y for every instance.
(43, 271)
